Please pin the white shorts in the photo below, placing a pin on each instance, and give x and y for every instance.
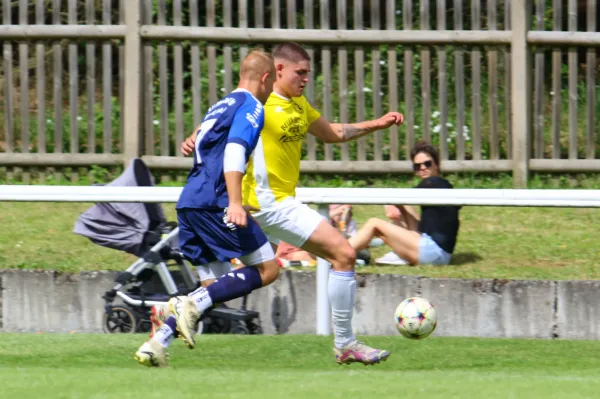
(290, 221)
(216, 269)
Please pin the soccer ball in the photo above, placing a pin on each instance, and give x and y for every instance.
(415, 318)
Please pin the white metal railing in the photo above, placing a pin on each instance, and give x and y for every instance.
(371, 196)
(321, 197)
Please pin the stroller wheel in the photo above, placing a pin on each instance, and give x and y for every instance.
(215, 324)
(119, 319)
(240, 328)
(255, 328)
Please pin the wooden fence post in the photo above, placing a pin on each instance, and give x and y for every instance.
(133, 95)
(521, 104)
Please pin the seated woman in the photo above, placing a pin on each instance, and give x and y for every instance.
(430, 240)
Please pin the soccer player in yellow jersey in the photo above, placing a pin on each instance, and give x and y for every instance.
(269, 187)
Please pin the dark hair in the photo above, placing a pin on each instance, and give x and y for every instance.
(423, 146)
(292, 52)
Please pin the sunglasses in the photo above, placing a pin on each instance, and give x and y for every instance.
(417, 165)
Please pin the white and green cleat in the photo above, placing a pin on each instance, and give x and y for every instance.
(152, 354)
(187, 315)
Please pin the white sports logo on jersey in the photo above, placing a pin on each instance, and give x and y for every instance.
(252, 120)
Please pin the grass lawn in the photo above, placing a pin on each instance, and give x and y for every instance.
(494, 242)
(226, 366)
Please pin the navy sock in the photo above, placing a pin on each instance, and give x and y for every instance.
(172, 323)
(235, 284)
(167, 332)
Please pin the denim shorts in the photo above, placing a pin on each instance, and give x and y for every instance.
(430, 253)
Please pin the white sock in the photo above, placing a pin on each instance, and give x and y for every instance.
(342, 292)
(201, 298)
(164, 335)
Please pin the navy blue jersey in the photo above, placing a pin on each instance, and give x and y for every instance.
(236, 118)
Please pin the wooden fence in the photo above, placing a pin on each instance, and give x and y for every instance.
(98, 82)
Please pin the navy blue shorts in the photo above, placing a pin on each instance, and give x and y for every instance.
(205, 237)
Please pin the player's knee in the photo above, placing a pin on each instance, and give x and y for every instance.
(345, 258)
(269, 271)
(206, 283)
(350, 256)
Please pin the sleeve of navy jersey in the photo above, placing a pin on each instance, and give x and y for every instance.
(247, 124)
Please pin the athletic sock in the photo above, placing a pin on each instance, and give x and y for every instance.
(166, 333)
(232, 285)
(342, 293)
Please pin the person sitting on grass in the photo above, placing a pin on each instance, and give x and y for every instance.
(429, 239)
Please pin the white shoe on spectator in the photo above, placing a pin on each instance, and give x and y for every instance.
(391, 258)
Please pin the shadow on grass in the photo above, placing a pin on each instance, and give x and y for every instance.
(463, 258)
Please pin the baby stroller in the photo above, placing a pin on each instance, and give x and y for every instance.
(159, 273)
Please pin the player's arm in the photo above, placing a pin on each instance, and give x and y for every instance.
(234, 168)
(241, 140)
(342, 132)
(187, 147)
(233, 180)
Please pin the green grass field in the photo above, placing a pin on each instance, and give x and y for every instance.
(225, 366)
(494, 242)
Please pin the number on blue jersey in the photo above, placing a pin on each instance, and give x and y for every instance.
(204, 128)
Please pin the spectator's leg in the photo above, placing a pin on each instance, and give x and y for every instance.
(392, 212)
(404, 242)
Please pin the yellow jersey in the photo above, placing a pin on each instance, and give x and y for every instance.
(274, 167)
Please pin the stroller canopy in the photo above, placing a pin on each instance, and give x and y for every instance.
(123, 226)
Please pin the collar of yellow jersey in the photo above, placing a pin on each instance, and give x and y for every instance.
(281, 96)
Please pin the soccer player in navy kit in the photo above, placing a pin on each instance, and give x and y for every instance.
(213, 224)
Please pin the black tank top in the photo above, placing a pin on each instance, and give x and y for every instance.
(441, 223)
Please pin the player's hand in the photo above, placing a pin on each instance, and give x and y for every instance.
(389, 119)
(188, 145)
(237, 215)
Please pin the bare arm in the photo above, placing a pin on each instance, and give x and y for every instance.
(411, 217)
(233, 181)
(187, 146)
(343, 132)
(236, 214)
(234, 168)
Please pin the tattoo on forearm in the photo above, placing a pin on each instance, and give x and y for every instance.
(350, 132)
